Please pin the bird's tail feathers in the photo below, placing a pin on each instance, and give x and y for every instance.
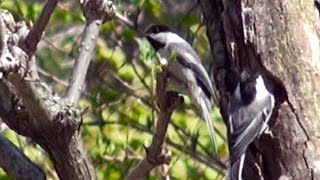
(235, 169)
(206, 109)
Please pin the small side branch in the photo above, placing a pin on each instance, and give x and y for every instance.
(37, 30)
(156, 154)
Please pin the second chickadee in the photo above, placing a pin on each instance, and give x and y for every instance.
(249, 110)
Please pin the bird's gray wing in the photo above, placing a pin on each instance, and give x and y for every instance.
(200, 74)
(246, 122)
(188, 58)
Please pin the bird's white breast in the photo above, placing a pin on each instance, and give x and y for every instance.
(261, 89)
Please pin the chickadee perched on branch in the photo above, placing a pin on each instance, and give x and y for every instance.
(249, 111)
(185, 70)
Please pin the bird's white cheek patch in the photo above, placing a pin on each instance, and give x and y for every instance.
(262, 91)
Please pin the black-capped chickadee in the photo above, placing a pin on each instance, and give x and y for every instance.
(185, 70)
(249, 110)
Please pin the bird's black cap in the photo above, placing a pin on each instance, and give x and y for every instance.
(154, 29)
(248, 85)
(157, 29)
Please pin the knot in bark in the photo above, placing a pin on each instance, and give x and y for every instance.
(68, 120)
(98, 9)
(163, 156)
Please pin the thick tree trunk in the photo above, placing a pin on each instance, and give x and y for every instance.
(282, 37)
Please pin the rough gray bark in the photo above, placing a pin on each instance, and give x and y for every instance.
(282, 37)
(33, 109)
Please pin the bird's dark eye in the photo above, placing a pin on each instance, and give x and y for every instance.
(232, 78)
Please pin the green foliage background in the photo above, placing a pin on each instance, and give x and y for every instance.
(118, 105)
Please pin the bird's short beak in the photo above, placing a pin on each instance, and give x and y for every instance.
(146, 35)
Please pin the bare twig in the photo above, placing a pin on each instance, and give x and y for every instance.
(117, 82)
(121, 158)
(53, 77)
(16, 164)
(142, 80)
(37, 30)
(125, 20)
(211, 162)
(167, 102)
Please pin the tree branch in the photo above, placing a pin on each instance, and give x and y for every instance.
(156, 154)
(35, 34)
(45, 117)
(16, 164)
(95, 18)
